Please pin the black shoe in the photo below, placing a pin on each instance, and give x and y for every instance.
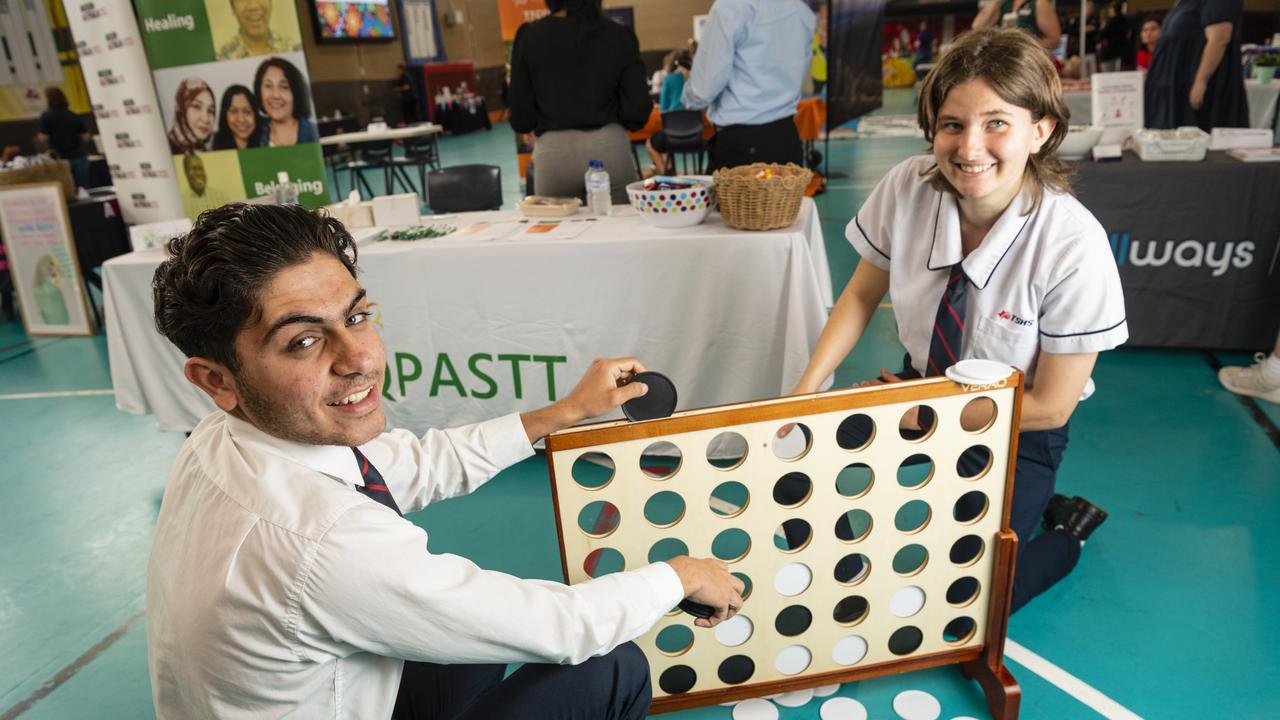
(1059, 511)
(1085, 520)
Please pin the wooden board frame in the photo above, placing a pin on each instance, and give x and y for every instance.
(981, 658)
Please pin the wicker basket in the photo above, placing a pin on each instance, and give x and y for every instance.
(55, 171)
(761, 196)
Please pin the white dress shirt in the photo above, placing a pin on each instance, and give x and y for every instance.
(751, 61)
(1044, 281)
(275, 589)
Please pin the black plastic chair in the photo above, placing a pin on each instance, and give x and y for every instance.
(422, 152)
(373, 155)
(683, 129)
(465, 188)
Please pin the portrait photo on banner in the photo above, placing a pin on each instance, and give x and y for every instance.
(237, 104)
(207, 180)
(246, 28)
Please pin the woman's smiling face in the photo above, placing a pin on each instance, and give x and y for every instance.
(240, 118)
(277, 95)
(200, 115)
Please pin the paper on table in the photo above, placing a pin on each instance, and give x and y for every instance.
(485, 231)
(561, 230)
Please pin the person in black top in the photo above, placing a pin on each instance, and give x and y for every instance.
(1195, 76)
(577, 81)
(64, 132)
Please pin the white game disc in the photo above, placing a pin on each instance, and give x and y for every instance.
(792, 579)
(755, 709)
(978, 372)
(793, 660)
(963, 717)
(849, 650)
(795, 698)
(842, 708)
(826, 690)
(791, 445)
(734, 631)
(907, 601)
(916, 705)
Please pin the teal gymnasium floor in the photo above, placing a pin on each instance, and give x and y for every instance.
(1167, 615)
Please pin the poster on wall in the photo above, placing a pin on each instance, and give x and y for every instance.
(40, 54)
(125, 108)
(422, 42)
(855, 80)
(42, 260)
(235, 97)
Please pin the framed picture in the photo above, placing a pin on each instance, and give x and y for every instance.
(42, 260)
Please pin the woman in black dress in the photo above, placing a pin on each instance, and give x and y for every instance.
(1196, 77)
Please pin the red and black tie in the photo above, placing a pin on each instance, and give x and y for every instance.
(374, 486)
(948, 328)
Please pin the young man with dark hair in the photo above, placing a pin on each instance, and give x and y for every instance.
(284, 580)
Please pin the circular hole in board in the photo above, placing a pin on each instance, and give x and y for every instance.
(970, 507)
(599, 518)
(959, 631)
(674, 640)
(853, 526)
(592, 470)
(792, 489)
(734, 631)
(727, 451)
(677, 679)
(793, 620)
(978, 415)
(746, 584)
(731, 545)
(974, 462)
(912, 517)
(916, 471)
(907, 601)
(910, 560)
(851, 610)
(963, 591)
(967, 550)
(793, 660)
(852, 569)
(729, 499)
(905, 640)
(664, 509)
(794, 444)
(926, 421)
(602, 561)
(736, 669)
(855, 480)
(856, 432)
(667, 548)
(661, 460)
(792, 579)
(792, 535)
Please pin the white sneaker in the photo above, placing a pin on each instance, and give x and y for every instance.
(1250, 381)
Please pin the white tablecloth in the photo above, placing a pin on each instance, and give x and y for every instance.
(1261, 99)
(727, 315)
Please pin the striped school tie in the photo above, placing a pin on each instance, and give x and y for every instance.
(374, 486)
(948, 327)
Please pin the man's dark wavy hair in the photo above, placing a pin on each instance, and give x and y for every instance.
(209, 289)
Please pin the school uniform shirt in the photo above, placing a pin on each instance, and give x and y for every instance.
(276, 589)
(1043, 281)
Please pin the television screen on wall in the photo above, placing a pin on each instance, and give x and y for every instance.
(353, 21)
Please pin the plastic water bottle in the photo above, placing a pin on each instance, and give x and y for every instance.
(599, 192)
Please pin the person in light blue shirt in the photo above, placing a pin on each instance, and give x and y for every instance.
(747, 73)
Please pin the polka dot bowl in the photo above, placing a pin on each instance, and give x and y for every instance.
(673, 208)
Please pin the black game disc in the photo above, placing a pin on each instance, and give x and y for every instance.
(659, 402)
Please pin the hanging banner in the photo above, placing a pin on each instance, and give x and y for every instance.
(235, 99)
(422, 43)
(39, 55)
(855, 83)
(125, 107)
(514, 13)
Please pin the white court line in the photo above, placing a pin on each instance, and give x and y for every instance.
(56, 394)
(1068, 683)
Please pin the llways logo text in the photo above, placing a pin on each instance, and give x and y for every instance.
(1218, 256)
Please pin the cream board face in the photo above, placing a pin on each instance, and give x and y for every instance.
(812, 609)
